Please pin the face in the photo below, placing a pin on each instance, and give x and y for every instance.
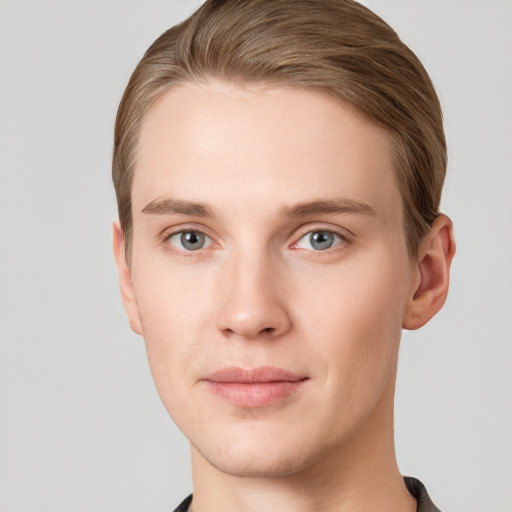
(269, 272)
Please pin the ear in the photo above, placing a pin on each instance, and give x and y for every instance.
(125, 279)
(431, 274)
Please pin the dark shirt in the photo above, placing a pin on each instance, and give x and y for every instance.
(417, 489)
(414, 486)
(183, 506)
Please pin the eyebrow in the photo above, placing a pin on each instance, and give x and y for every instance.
(169, 206)
(333, 206)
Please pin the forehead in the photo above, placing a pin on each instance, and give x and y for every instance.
(217, 141)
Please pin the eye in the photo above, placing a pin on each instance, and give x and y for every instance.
(319, 240)
(189, 240)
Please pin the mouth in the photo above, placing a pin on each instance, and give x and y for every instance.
(257, 387)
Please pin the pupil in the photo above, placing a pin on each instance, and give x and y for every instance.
(192, 240)
(322, 240)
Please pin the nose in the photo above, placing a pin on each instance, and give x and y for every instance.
(252, 299)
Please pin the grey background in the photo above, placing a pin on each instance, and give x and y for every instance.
(81, 426)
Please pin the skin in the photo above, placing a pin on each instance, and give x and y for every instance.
(258, 293)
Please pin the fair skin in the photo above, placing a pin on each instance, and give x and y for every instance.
(268, 237)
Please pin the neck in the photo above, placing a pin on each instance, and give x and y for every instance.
(361, 475)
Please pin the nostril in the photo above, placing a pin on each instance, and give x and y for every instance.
(249, 315)
(266, 332)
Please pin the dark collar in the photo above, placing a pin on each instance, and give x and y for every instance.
(417, 489)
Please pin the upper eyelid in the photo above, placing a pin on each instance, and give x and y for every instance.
(344, 233)
(171, 235)
(343, 240)
(167, 234)
(170, 231)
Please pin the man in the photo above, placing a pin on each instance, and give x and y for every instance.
(278, 167)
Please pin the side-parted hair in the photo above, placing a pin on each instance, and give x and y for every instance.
(338, 47)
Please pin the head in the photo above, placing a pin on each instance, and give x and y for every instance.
(336, 47)
(278, 167)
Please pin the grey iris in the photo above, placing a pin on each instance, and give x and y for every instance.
(321, 240)
(192, 240)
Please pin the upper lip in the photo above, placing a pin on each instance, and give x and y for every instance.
(254, 375)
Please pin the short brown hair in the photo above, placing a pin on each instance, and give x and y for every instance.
(335, 46)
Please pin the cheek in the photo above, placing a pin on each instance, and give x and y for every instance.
(171, 299)
(355, 316)
(174, 311)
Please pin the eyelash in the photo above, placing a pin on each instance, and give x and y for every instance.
(339, 239)
(342, 240)
(168, 235)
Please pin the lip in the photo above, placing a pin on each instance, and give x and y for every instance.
(256, 387)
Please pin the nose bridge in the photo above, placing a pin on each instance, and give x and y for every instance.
(252, 299)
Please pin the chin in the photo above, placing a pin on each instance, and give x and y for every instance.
(259, 456)
(258, 466)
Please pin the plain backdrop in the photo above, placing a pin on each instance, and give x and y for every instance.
(81, 425)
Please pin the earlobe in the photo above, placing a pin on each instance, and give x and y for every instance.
(125, 279)
(430, 289)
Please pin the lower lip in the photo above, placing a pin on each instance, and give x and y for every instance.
(255, 394)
